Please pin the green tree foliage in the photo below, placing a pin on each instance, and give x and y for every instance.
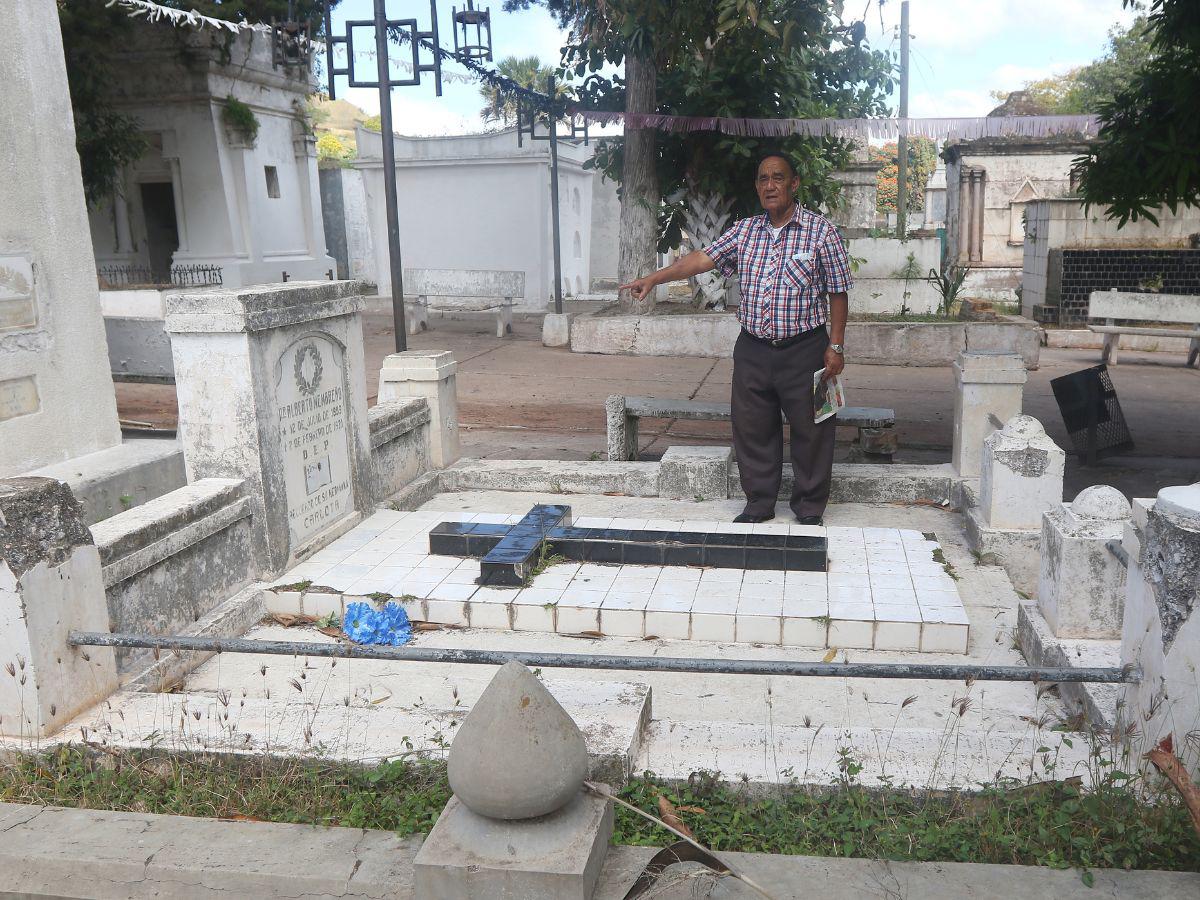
(797, 59)
(526, 71)
(108, 140)
(1084, 88)
(1145, 155)
(922, 160)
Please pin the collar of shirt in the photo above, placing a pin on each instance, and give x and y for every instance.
(764, 220)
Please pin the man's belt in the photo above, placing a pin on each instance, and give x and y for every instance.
(782, 343)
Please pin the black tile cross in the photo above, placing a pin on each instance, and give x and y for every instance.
(510, 553)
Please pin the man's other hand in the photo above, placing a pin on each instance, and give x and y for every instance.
(639, 288)
(834, 363)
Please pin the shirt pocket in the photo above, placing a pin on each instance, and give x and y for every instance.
(799, 274)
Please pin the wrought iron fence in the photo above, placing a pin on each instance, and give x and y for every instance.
(123, 276)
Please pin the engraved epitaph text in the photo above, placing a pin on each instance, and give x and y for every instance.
(314, 436)
(18, 397)
(17, 309)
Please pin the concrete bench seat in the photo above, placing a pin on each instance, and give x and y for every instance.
(1114, 304)
(875, 425)
(462, 290)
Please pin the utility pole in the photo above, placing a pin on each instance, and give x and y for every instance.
(388, 141)
(902, 141)
(550, 89)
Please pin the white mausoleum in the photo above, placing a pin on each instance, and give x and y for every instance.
(206, 193)
(480, 201)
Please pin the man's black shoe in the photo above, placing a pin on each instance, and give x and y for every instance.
(751, 519)
(809, 520)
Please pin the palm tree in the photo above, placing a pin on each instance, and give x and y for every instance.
(526, 71)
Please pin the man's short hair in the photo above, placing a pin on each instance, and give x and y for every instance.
(777, 154)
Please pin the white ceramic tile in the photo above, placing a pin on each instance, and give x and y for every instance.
(722, 576)
(770, 528)
(881, 555)
(857, 611)
(712, 602)
(816, 578)
(851, 634)
(461, 576)
(627, 600)
(342, 576)
(811, 530)
(842, 534)
(440, 563)
(937, 638)
(492, 518)
(674, 591)
(889, 596)
(533, 618)
(639, 573)
(805, 609)
(929, 568)
(371, 583)
(760, 606)
(803, 631)
(847, 566)
(896, 612)
(574, 619)
(446, 591)
(948, 615)
(622, 622)
(888, 568)
(489, 615)
(753, 629)
(934, 583)
(494, 595)
(366, 557)
(897, 635)
(286, 602)
(537, 596)
(680, 574)
(592, 522)
(675, 603)
(632, 524)
(595, 570)
(856, 595)
(713, 627)
(592, 599)
(849, 579)
(663, 525)
(762, 591)
(666, 624)
(881, 534)
(909, 534)
(763, 576)
(938, 599)
(446, 612)
(737, 528)
(805, 592)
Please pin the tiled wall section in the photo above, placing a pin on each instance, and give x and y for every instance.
(1073, 274)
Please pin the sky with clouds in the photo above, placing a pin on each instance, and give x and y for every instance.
(961, 50)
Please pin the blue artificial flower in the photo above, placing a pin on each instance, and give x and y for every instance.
(361, 623)
(394, 626)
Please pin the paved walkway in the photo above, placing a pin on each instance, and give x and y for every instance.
(53, 852)
(519, 399)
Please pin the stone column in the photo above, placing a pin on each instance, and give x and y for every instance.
(415, 373)
(987, 388)
(272, 389)
(50, 584)
(519, 823)
(1161, 631)
(1081, 586)
(56, 392)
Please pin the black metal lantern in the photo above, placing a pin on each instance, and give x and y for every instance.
(472, 45)
(291, 41)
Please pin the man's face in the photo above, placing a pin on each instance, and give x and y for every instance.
(776, 184)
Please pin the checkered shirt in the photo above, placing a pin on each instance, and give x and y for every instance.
(784, 281)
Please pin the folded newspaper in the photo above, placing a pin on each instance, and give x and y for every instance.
(828, 397)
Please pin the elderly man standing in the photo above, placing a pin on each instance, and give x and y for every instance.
(794, 273)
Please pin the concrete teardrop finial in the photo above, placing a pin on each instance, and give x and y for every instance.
(518, 755)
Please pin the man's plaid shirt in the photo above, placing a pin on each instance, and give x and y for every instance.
(783, 282)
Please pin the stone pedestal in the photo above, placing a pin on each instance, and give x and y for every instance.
(556, 329)
(519, 823)
(56, 393)
(695, 473)
(1161, 630)
(987, 391)
(1021, 478)
(416, 373)
(1081, 586)
(50, 584)
(272, 389)
(855, 212)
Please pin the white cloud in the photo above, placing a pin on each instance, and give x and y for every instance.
(950, 103)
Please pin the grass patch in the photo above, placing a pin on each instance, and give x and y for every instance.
(905, 319)
(1058, 825)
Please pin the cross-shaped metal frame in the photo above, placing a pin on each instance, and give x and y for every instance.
(392, 27)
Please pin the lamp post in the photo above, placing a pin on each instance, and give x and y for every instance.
(480, 19)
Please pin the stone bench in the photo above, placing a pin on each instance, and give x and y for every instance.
(1114, 304)
(462, 290)
(876, 433)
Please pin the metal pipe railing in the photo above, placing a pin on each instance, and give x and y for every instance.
(939, 671)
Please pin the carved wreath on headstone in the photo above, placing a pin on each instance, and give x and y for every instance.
(308, 384)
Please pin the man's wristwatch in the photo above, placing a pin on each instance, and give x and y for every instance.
(839, 349)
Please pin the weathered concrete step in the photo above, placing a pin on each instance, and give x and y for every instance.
(324, 720)
(960, 755)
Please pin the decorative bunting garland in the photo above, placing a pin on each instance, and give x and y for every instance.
(856, 129)
(153, 12)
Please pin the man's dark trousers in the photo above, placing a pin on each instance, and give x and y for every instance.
(768, 379)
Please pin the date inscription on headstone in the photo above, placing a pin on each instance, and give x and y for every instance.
(314, 435)
(18, 397)
(17, 308)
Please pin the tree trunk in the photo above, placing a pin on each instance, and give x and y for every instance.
(640, 195)
(705, 218)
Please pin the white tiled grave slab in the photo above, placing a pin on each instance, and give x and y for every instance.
(884, 590)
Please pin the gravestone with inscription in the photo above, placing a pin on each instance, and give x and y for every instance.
(272, 389)
(56, 393)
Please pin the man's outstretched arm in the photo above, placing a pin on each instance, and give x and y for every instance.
(694, 263)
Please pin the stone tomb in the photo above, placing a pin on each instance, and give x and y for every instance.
(883, 588)
(511, 554)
